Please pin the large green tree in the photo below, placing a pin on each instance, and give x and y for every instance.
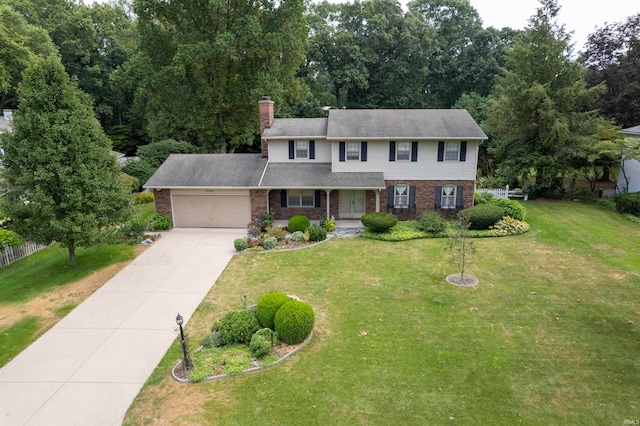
(542, 111)
(60, 181)
(212, 61)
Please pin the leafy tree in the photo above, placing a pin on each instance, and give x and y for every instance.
(212, 60)
(601, 151)
(153, 155)
(61, 181)
(612, 56)
(20, 44)
(541, 112)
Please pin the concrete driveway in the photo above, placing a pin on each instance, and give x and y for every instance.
(88, 368)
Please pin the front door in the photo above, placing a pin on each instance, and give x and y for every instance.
(351, 204)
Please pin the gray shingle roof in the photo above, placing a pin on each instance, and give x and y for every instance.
(209, 171)
(318, 175)
(631, 131)
(392, 124)
(297, 127)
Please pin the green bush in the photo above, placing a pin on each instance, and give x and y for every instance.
(512, 208)
(329, 225)
(628, 203)
(298, 236)
(298, 223)
(268, 334)
(483, 216)
(431, 222)
(160, 222)
(238, 327)
(270, 243)
(240, 244)
(267, 307)
(509, 226)
(259, 346)
(317, 233)
(294, 321)
(133, 183)
(278, 232)
(144, 198)
(482, 198)
(134, 229)
(379, 221)
(10, 237)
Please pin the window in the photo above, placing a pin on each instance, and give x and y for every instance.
(302, 149)
(300, 198)
(403, 151)
(448, 196)
(401, 196)
(451, 151)
(353, 151)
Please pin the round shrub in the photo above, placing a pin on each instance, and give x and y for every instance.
(511, 208)
(483, 216)
(259, 346)
(317, 233)
(241, 244)
(268, 334)
(294, 321)
(298, 223)
(298, 236)
(238, 327)
(269, 243)
(431, 222)
(267, 307)
(378, 221)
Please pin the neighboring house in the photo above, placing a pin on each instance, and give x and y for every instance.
(350, 163)
(629, 176)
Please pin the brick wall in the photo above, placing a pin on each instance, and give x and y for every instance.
(162, 201)
(258, 199)
(426, 196)
(267, 111)
(284, 213)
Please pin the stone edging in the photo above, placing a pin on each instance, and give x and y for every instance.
(249, 370)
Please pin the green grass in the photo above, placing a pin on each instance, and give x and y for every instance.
(143, 211)
(15, 338)
(49, 268)
(550, 335)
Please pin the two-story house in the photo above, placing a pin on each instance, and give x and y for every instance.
(349, 163)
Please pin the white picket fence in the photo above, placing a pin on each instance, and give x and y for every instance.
(504, 193)
(10, 254)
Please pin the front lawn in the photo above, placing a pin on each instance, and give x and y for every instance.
(549, 336)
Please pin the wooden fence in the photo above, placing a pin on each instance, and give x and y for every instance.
(10, 254)
(504, 193)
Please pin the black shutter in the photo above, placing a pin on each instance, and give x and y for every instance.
(392, 151)
(438, 197)
(342, 149)
(412, 197)
(312, 150)
(283, 198)
(440, 151)
(414, 151)
(363, 151)
(390, 197)
(463, 151)
(317, 198)
(459, 197)
(291, 150)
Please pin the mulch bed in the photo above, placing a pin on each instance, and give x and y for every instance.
(462, 281)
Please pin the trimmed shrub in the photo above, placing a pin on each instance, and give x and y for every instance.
(628, 203)
(431, 222)
(160, 222)
(294, 321)
(298, 223)
(267, 307)
(298, 236)
(379, 221)
(238, 327)
(512, 208)
(483, 216)
(269, 243)
(144, 198)
(317, 233)
(241, 244)
(259, 346)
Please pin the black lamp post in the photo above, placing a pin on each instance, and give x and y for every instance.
(185, 349)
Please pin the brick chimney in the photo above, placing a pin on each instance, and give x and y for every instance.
(266, 120)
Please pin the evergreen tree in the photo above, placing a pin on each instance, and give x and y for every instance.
(61, 182)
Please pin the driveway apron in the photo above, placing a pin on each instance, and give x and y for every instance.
(88, 368)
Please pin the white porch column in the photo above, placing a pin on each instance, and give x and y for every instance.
(328, 192)
(377, 200)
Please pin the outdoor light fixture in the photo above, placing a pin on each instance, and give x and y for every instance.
(185, 349)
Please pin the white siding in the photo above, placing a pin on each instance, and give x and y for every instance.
(426, 168)
(279, 152)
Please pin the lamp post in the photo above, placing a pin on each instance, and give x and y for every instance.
(185, 350)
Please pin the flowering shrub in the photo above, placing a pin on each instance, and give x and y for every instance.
(4, 222)
(254, 228)
(509, 226)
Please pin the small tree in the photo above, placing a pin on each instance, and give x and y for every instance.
(461, 250)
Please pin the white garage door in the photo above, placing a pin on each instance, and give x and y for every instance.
(215, 209)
